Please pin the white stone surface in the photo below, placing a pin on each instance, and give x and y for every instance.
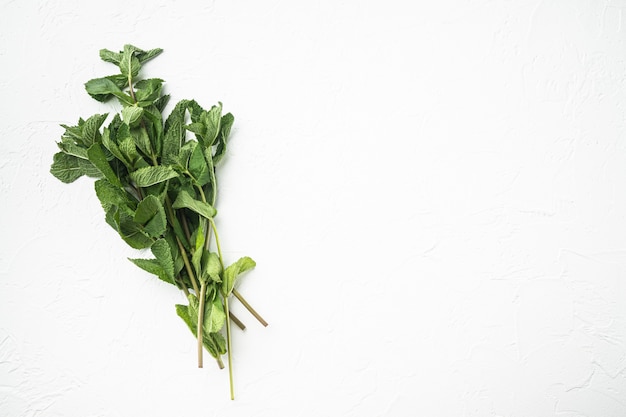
(434, 192)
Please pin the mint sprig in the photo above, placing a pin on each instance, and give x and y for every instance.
(156, 181)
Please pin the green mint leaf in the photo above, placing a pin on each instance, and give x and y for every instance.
(214, 316)
(198, 128)
(161, 251)
(185, 200)
(70, 147)
(211, 266)
(66, 168)
(99, 160)
(211, 120)
(142, 140)
(198, 239)
(132, 115)
(225, 127)
(147, 176)
(132, 233)
(154, 267)
(110, 56)
(218, 343)
(148, 90)
(111, 195)
(114, 148)
(154, 124)
(91, 129)
(214, 343)
(161, 102)
(174, 132)
(129, 64)
(144, 56)
(151, 215)
(233, 271)
(105, 88)
(129, 151)
(198, 167)
(89, 169)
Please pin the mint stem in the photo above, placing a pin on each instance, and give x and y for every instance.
(249, 307)
(200, 322)
(228, 349)
(238, 322)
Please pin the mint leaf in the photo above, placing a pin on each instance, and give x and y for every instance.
(132, 233)
(214, 316)
(185, 200)
(233, 271)
(98, 159)
(110, 56)
(214, 343)
(161, 250)
(174, 132)
(198, 239)
(211, 266)
(148, 90)
(147, 176)
(151, 215)
(66, 168)
(225, 127)
(103, 89)
(198, 167)
(154, 267)
(144, 56)
(129, 63)
(111, 195)
(131, 115)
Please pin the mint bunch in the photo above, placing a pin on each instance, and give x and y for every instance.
(156, 181)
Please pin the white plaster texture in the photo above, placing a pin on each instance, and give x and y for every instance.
(434, 192)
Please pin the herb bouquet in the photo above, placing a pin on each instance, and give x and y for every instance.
(158, 188)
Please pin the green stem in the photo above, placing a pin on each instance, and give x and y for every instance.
(217, 242)
(238, 322)
(192, 277)
(249, 307)
(228, 349)
(219, 362)
(200, 322)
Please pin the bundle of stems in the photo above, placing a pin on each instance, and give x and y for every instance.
(156, 181)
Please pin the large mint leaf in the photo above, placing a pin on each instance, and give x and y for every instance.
(174, 132)
(222, 140)
(98, 159)
(151, 215)
(148, 90)
(129, 63)
(110, 195)
(185, 200)
(152, 266)
(147, 176)
(198, 167)
(214, 316)
(233, 271)
(142, 140)
(132, 232)
(214, 343)
(211, 267)
(66, 167)
(103, 89)
(132, 115)
(161, 250)
(110, 56)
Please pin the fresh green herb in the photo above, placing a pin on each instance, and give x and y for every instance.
(158, 186)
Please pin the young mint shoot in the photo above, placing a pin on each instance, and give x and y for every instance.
(156, 181)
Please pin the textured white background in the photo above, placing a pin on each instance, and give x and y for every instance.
(434, 192)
